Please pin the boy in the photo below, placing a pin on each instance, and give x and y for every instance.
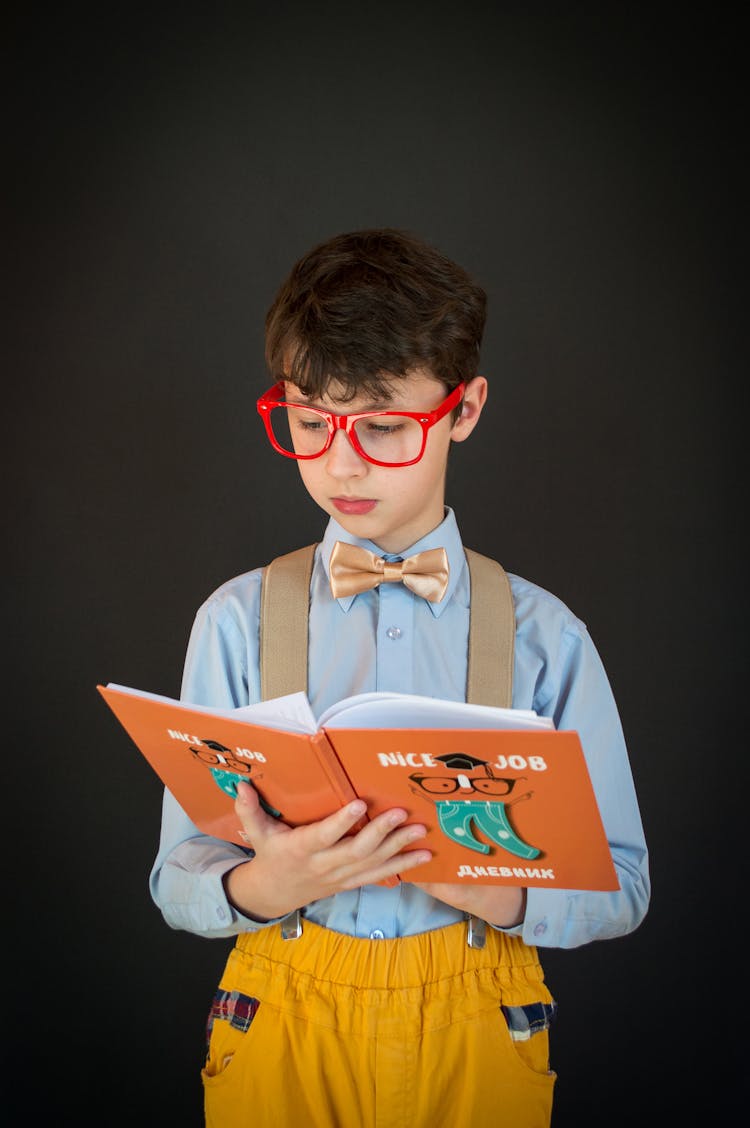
(347, 1000)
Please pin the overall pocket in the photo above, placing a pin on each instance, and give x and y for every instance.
(528, 1029)
(229, 1020)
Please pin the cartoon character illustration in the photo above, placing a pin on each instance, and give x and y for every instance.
(458, 815)
(232, 770)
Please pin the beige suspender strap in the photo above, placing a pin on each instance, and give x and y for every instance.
(285, 606)
(492, 632)
(284, 615)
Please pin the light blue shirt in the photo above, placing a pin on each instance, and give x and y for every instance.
(390, 639)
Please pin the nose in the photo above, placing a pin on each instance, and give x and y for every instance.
(342, 460)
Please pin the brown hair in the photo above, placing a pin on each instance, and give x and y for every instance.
(365, 306)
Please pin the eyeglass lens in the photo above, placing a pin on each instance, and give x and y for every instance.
(387, 438)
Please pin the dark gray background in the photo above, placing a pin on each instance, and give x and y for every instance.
(162, 174)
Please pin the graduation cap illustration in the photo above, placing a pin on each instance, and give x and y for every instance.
(460, 761)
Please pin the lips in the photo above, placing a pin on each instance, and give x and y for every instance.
(354, 505)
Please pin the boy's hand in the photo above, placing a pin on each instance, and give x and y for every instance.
(296, 865)
(501, 905)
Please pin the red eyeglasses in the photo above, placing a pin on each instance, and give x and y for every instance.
(385, 438)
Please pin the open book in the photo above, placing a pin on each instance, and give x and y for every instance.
(506, 798)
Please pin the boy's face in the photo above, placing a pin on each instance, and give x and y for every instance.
(393, 506)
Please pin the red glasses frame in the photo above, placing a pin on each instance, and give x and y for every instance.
(272, 399)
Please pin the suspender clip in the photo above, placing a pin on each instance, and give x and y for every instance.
(291, 926)
(476, 933)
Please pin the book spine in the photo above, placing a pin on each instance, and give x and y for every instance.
(342, 785)
(337, 777)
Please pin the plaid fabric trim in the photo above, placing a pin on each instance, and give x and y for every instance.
(239, 1011)
(232, 1007)
(523, 1022)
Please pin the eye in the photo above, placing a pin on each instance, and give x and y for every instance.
(384, 427)
(306, 421)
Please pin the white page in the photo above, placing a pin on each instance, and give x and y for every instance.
(291, 713)
(406, 710)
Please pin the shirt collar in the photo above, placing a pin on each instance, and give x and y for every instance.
(446, 536)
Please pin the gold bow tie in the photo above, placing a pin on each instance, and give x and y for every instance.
(353, 569)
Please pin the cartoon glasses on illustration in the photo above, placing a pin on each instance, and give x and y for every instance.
(497, 786)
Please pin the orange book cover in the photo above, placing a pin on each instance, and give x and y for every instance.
(510, 806)
(502, 805)
(199, 754)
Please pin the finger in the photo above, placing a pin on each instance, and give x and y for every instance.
(410, 859)
(255, 821)
(386, 834)
(332, 829)
(394, 867)
(354, 860)
(246, 799)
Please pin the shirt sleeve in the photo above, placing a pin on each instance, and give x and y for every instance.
(572, 687)
(221, 669)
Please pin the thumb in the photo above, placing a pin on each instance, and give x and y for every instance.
(256, 823)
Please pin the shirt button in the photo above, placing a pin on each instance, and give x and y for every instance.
(540, 929)
(377, 934)
(394, 632)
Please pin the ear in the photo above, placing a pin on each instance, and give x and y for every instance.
(475, 396)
